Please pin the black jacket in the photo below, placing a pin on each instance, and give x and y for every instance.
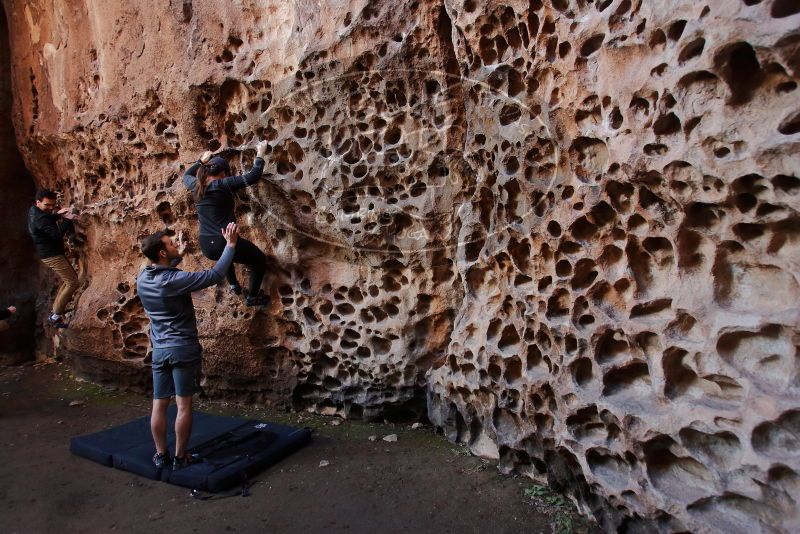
(48, 231)
(215, 209)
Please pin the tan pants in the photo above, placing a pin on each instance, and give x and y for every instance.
(69, 277)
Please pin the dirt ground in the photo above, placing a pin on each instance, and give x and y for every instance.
(421, 483)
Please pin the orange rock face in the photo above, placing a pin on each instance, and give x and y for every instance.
(571, 226)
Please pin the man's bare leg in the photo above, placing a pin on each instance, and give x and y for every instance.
(158, 424)
(183, 425)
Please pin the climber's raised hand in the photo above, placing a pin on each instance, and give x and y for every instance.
(181, 243)
(231, 234)
(261, 149)
(67, 213)
(206, 156)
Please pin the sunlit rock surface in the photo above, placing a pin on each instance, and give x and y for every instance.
(572, 226)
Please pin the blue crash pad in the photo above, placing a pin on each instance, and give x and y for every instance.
(232, 449)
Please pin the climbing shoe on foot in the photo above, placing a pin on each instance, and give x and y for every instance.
(57, 321)
(185, 461)
(257, 300)
(236, 289)
(161, 460)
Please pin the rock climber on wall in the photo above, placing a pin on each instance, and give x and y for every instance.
(213, 188)
(48, 228)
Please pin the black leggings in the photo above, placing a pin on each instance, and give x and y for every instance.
(246, 253)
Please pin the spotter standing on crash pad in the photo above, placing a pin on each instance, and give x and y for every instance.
(166, 294)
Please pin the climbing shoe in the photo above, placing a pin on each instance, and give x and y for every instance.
(185, 461)
(257, 300)
(236, 289)
(57, 321)
(161, 460)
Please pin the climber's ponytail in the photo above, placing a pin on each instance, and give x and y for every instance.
(201, 184)
(217, 166)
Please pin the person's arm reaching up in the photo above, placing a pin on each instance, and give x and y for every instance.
(240, 182)
(185, 282)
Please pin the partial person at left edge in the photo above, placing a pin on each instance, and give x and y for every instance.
(6, 314)
(48, 226)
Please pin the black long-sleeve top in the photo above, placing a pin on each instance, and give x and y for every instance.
(215, 209)
(4, 314)
(48, 231)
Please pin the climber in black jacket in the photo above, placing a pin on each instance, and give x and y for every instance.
(48, 229)
(213, 188)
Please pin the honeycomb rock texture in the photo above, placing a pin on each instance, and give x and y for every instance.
(570, 226)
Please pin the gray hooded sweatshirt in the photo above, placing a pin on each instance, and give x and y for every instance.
(166, 294)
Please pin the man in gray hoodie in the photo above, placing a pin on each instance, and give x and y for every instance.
(166, 294)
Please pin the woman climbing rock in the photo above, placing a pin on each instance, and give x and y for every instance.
(210, 182)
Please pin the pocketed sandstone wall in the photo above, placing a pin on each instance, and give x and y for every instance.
(571, 225)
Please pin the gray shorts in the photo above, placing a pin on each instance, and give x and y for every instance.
(176, 371)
